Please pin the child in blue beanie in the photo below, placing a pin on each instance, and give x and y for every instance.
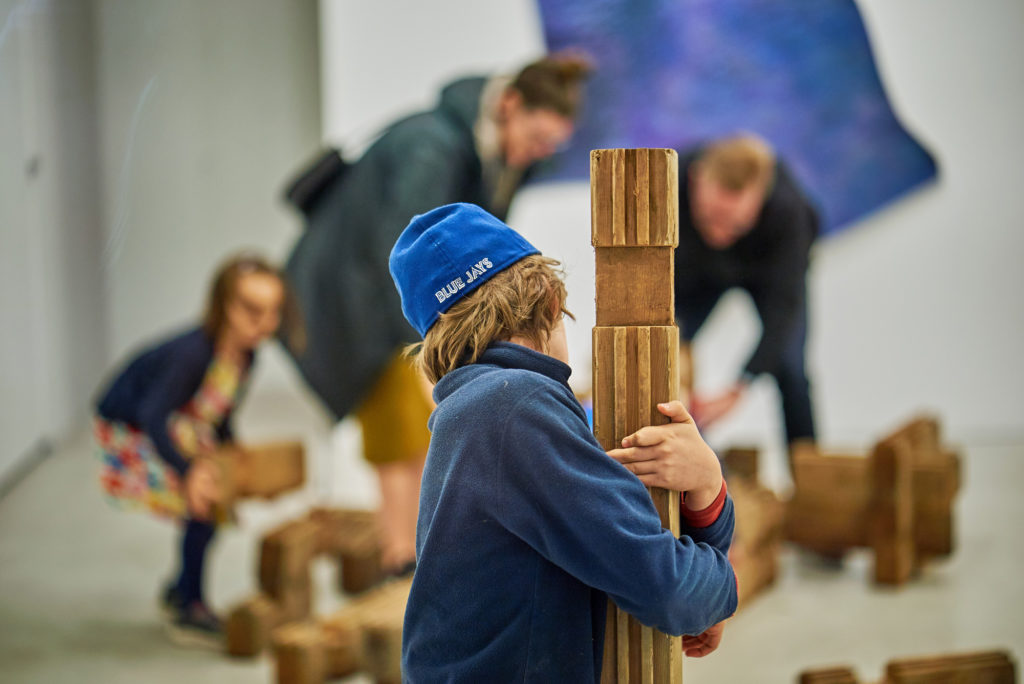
(526, 526)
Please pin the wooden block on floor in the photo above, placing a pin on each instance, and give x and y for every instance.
(300, 650)
(285, 556)
(983, 667)
(343, 530)
(343, 644)
(829, 675)
(269, 470)
(248, 626)
(741, 462)
(378, 651)
(756, 569)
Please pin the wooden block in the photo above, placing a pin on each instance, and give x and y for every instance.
(248, 626)
(987, 667)
(268, 470)
(381, 640)
(829, 675)
(345, 530)
(828, 529)
(634, 286)
(295, 599)
(741, 462)
(343, 647)
(892, 534)
(634, 197)
(367, 632)
(301, 653)
(285, 556)
(360, 572)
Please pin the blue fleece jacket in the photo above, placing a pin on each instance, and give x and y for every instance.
(526, 527)
(159, 381)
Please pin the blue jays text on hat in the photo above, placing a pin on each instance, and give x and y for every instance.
(445, 254)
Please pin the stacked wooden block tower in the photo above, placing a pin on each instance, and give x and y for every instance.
(986, 667)
(365, 635)
(634, 206)
(897, 501)
(760, 525)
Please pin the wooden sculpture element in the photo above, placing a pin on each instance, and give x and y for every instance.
(634, 206)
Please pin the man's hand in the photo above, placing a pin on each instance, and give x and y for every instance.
(202, 489)
(673, 456)
(709, 411)
(702, 644)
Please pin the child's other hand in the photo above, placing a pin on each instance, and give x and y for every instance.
(673, 456)
(201, 488)
(703, 644)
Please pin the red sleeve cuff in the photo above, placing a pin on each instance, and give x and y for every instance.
(707, 516)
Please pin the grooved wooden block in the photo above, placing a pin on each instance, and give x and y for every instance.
(634, 198)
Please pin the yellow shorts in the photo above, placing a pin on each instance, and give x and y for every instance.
(394, 415)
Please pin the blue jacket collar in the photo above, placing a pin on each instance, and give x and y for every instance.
(504, 355)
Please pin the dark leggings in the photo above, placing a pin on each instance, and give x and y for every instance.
(195, 539)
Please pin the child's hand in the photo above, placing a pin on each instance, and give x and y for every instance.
(673, 456)
(702, 644)
(201, 488)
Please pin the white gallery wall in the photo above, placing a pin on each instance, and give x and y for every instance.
(140, 143)
(914, 307)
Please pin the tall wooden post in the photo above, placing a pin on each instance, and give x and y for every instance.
(634, 219)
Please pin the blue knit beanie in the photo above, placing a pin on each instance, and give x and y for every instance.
(445, 254)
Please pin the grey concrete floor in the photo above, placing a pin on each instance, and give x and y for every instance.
(78, 582)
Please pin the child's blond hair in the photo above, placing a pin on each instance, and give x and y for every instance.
(527, 299)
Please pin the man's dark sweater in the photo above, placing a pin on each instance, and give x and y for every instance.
(770, 262)
(526, 528)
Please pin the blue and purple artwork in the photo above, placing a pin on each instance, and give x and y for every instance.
(797, 72)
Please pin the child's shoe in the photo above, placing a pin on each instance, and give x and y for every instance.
(170, 602)
(197, 625)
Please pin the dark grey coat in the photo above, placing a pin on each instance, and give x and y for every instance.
(339, 267)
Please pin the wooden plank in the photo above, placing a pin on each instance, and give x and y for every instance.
(601, 202)
(621, 386)
(618, 198)
(892, 531)
(610, 659)
(657, 164)
(642, 191)
(629, 197)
